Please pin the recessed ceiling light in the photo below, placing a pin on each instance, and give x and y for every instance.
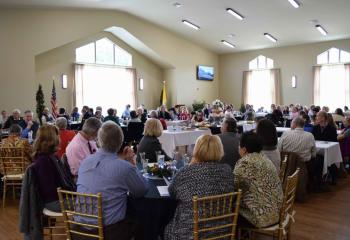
(189, 24)
(228, 44)
(321, 29)
(231, 35)
(270, 37)
(177, 5)
(294, 3)
(234, 13)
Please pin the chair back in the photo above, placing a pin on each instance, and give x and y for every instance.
(287, 209)
(12, 160)
(283, 168)
(77, 206)
(135, 131)
(216, 216)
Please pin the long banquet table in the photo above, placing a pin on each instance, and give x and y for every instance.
(172, 139)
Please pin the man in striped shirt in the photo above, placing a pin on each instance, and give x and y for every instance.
(298, 141)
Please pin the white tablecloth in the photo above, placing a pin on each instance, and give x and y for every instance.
(260, 114)
(170, 140)
(331, 152)
(176, 122)
(282, 129)
(247, 125)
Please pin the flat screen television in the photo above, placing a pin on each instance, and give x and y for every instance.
(205, 73)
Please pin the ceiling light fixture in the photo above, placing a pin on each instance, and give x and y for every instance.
(177, 5)
(294, 3)
(270, 37)
(321, 29)
(234, 13)
(189, 24)
(228, 44)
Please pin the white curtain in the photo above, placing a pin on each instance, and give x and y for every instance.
(331, 86)
(109, 87)
(260, 88)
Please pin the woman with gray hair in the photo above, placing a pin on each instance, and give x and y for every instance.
(65, 135)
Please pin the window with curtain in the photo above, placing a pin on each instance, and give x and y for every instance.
(261, 83)
(332, 79)
(103, 76)
(108, 87)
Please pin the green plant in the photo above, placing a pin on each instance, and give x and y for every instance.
(40, 103)
(242, 108)
(198, 105)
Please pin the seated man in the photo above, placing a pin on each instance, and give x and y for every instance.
(112, 116)
(29, 125)
(298, 141)
(230, 142)
(107, 173)
(14, 119)
(83, 144)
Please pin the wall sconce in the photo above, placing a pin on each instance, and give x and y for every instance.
(294, 81)
(64, 81)
(141, 84)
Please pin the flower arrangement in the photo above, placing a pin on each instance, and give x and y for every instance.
(156, 170)
(218, 103)
(198, 105)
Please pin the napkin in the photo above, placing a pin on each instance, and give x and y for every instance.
(163, 191)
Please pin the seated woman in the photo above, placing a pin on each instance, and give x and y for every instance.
(258, 179)
(267, 131)
(184, 113)
(198, 117)
(344, 140)
(112, 116)
(149, 143)
(45, 147)
(65, 135)
(205, 176)
(14, 140)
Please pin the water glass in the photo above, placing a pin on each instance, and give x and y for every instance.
(173, 168)
(186, 159)
(161, 160)
(144, 164)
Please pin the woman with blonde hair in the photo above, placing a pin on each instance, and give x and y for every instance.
(48, 178)
(149, 143)
(205, 176)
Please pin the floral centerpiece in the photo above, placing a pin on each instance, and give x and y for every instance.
(156, 170)
(217, 110)
(218, 103)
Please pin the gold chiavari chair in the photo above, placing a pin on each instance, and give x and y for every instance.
(283, 168)
(215, 217)
(281, 230)
(13, 166)
(80, 205)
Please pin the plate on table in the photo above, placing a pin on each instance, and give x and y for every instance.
(152, 177)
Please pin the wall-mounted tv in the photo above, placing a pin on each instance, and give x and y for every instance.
(205, 73)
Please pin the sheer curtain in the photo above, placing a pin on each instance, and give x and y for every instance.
(331, 86)
(109, 87)
(260, 88)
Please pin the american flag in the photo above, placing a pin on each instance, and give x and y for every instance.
(54, 101)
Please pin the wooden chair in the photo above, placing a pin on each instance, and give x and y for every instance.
(55, 223)
(281, 230)
(216, 216)
(78, 205)
(283, 168)
(13, 166)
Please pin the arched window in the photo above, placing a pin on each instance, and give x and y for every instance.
(332, 79)
(103, 76)
(261, 62)
(103, 51)
(260, 84)
(333, 56)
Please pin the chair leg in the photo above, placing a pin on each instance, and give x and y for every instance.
(4, 195)
(13, 192)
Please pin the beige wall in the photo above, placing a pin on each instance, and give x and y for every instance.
(294, 60)
(61, 60)
(26, 33)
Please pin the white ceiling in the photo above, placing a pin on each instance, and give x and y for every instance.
(289, 25)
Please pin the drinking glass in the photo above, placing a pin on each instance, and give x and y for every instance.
(144, 165)
(173, 168)
(186, 160)
(161, 160)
